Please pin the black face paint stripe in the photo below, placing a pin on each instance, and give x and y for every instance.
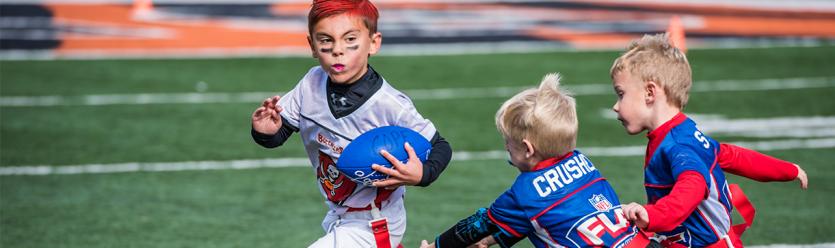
(326, 50)
(354, 47)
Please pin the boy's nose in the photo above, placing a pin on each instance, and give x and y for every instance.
(615, 107)
(338, 49)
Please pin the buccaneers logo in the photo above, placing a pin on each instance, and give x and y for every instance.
(337, 187)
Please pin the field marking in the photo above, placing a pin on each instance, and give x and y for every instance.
(617, 151)
(769, 127)
(415, 94)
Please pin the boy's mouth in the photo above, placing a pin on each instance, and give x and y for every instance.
(338, 67)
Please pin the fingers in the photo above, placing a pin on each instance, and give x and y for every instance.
(274, 115)
(410, 151)
(258, 114)
(261, 113)
(636, 213)
(389, 183)
(801, 176)
(629, 211)
(271, 103)
(274, 101)
(394, 162)
(385, 170)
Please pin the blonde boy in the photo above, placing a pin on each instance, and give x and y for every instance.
(689, 200)
(559, 198)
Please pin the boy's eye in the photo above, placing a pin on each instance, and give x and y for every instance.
(325, 40)
(351, 39)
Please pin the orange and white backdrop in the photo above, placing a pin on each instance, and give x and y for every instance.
(103, 29)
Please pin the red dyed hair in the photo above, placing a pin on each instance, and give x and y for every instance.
(322, 9)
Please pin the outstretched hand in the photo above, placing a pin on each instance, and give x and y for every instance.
(266, 119)
(801, 176)
(400, 174)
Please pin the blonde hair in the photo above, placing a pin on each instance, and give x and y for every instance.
(653, 58)
(545, 116)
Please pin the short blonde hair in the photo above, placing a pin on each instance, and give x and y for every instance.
(545, 116)
(653, 58)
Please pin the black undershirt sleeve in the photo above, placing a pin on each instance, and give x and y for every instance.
(277, 139)
(471, 230)
(438, 160)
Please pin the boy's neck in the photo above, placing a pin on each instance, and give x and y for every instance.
(662, 114)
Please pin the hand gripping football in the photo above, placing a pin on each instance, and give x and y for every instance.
(357, 158)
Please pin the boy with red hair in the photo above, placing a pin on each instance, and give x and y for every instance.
(343, 35)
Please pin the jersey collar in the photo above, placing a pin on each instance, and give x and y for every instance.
(551, 161)
(656, 136)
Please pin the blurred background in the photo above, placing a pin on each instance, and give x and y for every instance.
(106, 29)
(126, 123)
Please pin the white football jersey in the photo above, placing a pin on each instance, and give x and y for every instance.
(325, 137)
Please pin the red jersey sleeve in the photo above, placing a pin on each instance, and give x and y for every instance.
(671, 210)
(754, 165)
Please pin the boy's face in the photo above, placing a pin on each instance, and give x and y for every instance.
(631, 106)
(342, 43)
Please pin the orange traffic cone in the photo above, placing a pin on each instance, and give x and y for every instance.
(142, 8)
(676, 33)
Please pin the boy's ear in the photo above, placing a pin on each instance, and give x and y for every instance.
(376, 42)
(529, 149)
(651, 91)
(312, 48)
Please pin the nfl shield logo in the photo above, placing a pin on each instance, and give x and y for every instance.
(600, 202)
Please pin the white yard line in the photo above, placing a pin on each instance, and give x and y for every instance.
(416, 94)
(618, 151)
(769, 127)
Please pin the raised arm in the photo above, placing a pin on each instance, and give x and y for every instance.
(757, 166)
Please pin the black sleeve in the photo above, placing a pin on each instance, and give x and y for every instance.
(505, 241)
(467, 231)
(438, 160)
(277, 139)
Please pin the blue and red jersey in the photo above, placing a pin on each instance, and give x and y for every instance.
(689, 199)
(676, 148)
(563, 202)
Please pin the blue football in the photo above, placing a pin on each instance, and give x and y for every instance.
(357, 158)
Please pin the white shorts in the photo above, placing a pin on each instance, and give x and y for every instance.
(351, 229)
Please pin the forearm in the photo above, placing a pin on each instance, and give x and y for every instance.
(754, 165)
(671, 210)
(437, 161)
(274, 140)
(467, 231)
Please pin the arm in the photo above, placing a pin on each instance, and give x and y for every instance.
(467, 231)
(670, 211)
(414, 172)
(754, 165)
(272, 123)
(438, 160)
(274, 140)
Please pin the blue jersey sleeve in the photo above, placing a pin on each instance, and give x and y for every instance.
(683, 158)
(509, 216)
